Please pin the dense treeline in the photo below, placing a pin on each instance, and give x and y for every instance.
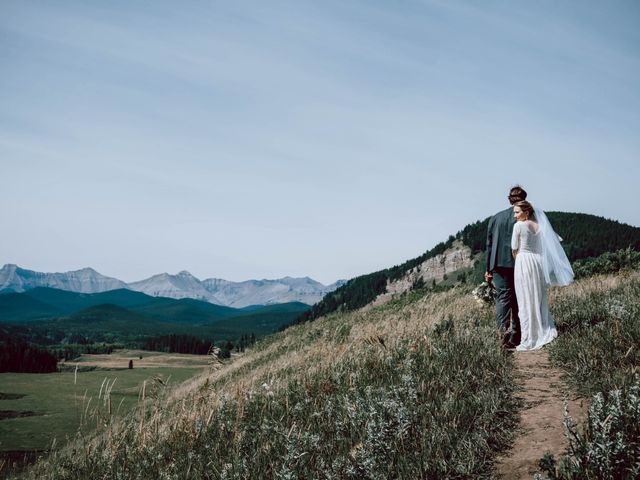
(586, 236)
(18, 356)
(178, 344)
(246, 340)
(583, 236)
(74, 350)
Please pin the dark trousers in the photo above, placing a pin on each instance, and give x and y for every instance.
(506, 304)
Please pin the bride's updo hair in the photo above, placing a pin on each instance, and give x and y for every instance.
(526, 207)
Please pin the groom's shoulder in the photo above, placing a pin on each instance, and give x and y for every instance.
(502, 215)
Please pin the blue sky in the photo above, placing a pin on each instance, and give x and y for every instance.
(259, 139)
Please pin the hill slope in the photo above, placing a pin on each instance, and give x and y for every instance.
(358, 392)
(415, 388)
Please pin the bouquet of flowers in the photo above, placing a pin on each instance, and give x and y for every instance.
(485, 293)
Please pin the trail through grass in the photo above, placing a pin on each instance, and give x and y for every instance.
(544, 395)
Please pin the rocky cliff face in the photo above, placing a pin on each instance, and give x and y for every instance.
(234, 294)
(457, 257)
(86, 280)
(266, 292)
(182, 285)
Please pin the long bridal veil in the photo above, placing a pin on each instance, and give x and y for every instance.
(556, 266)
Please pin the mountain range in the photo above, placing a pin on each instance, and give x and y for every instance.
(179, 286)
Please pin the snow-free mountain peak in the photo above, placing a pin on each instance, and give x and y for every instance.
(86, 280)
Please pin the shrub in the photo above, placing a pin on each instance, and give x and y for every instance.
(608, 262)
(609, 447)
(599, 351)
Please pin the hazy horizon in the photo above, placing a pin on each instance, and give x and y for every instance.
(252, 140)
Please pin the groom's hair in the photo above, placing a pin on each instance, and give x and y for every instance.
(517, 194)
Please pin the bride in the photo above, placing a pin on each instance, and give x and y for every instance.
(539, 261)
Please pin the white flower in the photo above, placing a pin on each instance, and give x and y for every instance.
(484, 293)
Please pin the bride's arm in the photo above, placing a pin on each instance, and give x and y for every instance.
(515, 240)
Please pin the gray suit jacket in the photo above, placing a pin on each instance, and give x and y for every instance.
(499, 240)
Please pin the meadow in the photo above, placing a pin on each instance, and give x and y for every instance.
(41, 411)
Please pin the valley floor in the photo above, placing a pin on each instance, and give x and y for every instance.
(38, 411)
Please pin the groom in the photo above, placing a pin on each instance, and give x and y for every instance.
(500, 264)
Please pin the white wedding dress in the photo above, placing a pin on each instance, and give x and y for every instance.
(536, 324)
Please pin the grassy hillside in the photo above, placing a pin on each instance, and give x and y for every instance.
(418, 386)
(415, 388)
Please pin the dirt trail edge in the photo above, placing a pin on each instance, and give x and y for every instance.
(541, 429)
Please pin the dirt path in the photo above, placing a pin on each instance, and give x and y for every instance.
(541, 430)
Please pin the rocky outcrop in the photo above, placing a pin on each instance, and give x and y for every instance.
(86, 280)
(181, 285)
(458, 257)
(266, 292)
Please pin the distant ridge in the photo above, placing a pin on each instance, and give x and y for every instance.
(179, 286)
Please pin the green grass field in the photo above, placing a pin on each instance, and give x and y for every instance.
(62, 403)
